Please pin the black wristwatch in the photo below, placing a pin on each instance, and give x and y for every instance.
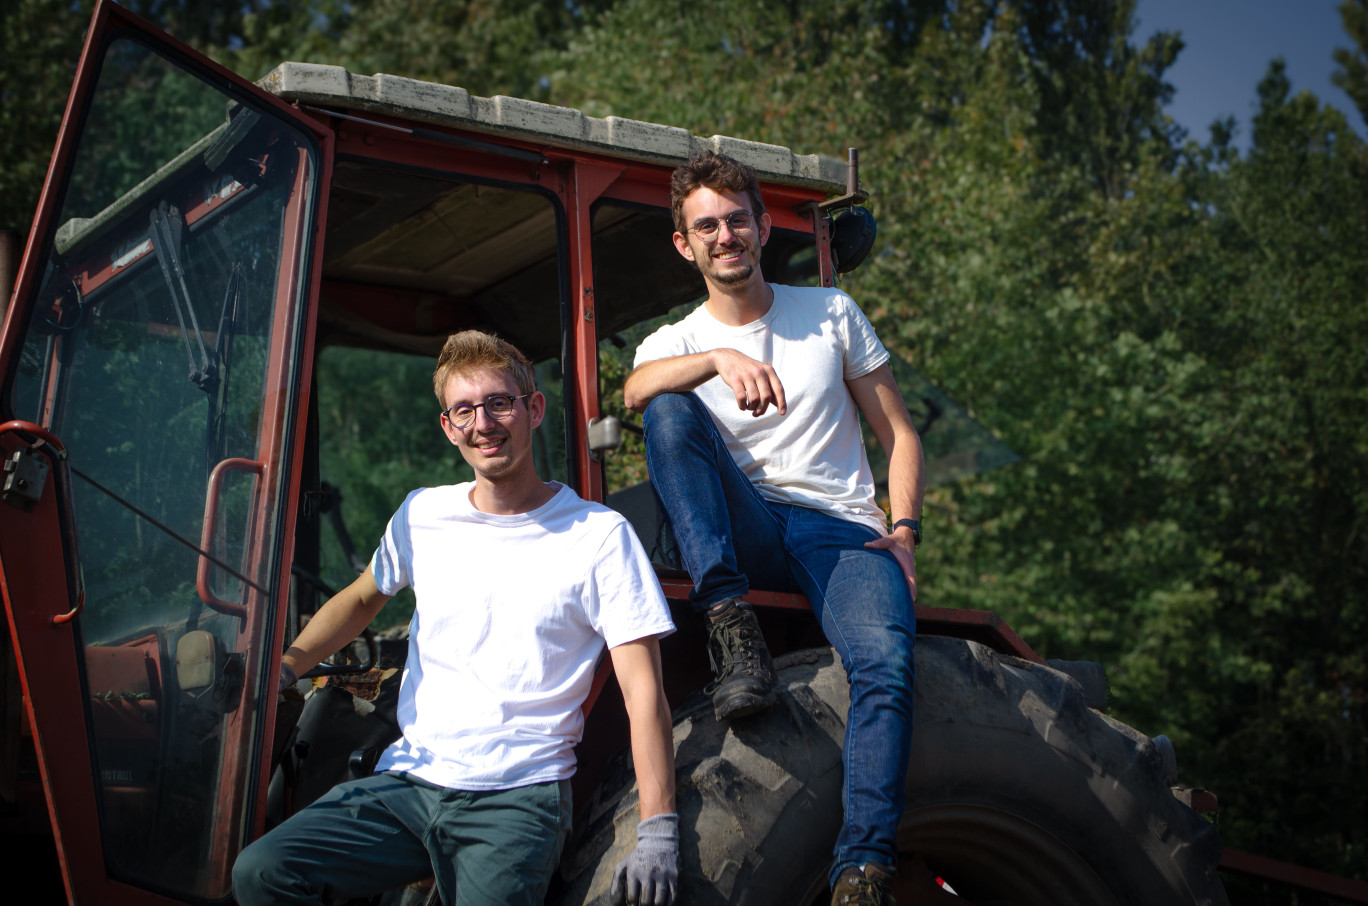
(914, 525)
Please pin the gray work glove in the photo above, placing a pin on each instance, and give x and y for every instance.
(650, 875)
(288, 677)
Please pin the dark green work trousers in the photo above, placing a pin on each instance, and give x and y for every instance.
(485, 848)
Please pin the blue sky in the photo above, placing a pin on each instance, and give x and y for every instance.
(1229, 44)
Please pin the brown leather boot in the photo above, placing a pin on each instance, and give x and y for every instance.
(740, 660)
(867, 885)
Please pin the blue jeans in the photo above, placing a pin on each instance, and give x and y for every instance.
(730, 538)
(485, 848)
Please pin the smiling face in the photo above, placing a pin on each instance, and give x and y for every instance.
(499, 450)
(730, 261)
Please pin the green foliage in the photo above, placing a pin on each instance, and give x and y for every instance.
(1100, 95)
(1291, 463)
(39, 43)
(764, 70)
(145, 112)
(379, 439)
(1352, 75)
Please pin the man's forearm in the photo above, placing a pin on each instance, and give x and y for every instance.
(337, 622)
(678, 374)
(653, 756)
(877, 396)
(906, 476)
(637, 665)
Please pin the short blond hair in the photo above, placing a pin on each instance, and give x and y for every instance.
(471, 350)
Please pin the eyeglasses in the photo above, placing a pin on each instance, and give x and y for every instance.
(739, 222)
(499, 407)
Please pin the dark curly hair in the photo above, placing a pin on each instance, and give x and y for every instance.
(712, 171)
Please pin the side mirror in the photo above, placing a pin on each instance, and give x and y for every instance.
(196, 661)
(605, 436)
(852, 238)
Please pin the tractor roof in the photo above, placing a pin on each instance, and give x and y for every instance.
(544, 124)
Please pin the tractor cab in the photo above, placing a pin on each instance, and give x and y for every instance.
(216, 274)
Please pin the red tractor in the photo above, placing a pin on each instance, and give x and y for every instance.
(207, 256)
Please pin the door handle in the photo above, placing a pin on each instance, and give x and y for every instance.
(211, 508)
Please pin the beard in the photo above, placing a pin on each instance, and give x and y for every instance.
(735, 276)
(732, 276)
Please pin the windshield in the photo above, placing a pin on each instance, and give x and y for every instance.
(160, 350)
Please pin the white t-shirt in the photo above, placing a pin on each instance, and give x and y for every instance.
(512, 615)
(816, 339)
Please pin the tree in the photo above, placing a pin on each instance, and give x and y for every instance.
(1292, 221)
(39, 43)
(1352, 75)
(1101, 97)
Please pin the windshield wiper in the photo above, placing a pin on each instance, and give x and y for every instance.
(167, 234)
(223, 364)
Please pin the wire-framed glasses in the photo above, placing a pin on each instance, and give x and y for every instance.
(498, 406)
(739, 222)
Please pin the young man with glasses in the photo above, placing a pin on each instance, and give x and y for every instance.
(752, 406)
(520, 584)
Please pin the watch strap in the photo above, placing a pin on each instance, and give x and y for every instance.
(914, 525)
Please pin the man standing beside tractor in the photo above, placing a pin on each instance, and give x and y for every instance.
(751, 410)
(519, 584)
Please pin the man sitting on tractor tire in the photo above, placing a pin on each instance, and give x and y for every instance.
(753, 443)
(519, 584)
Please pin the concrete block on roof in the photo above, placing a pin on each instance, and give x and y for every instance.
(545, 119)
(308, 80)
(446, 104)
(652, 138)
(821, 167)
(429, 97)
(765, 158)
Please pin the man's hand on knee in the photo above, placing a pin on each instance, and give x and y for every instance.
(650, 875)
(904, 550)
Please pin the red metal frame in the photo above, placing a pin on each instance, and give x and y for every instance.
(588, 181)
(265, 625)
(982, 626)
(1285, 874)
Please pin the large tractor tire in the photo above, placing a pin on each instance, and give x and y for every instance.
(1017, 793)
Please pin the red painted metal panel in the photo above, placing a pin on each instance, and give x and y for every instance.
(308, 247)
(978, 625)
(33, 596)
(586, 183)
(1288, 875)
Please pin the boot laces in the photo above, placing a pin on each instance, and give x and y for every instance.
(731, 647)
(867, 893)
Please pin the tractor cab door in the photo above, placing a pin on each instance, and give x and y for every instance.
(152, 368)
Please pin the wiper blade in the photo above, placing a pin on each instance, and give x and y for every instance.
(166, 230)
(223, 363)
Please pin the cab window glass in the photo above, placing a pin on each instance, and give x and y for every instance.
(156, 350)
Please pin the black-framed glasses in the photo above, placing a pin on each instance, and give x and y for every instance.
(498, 406)
(739, 222)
